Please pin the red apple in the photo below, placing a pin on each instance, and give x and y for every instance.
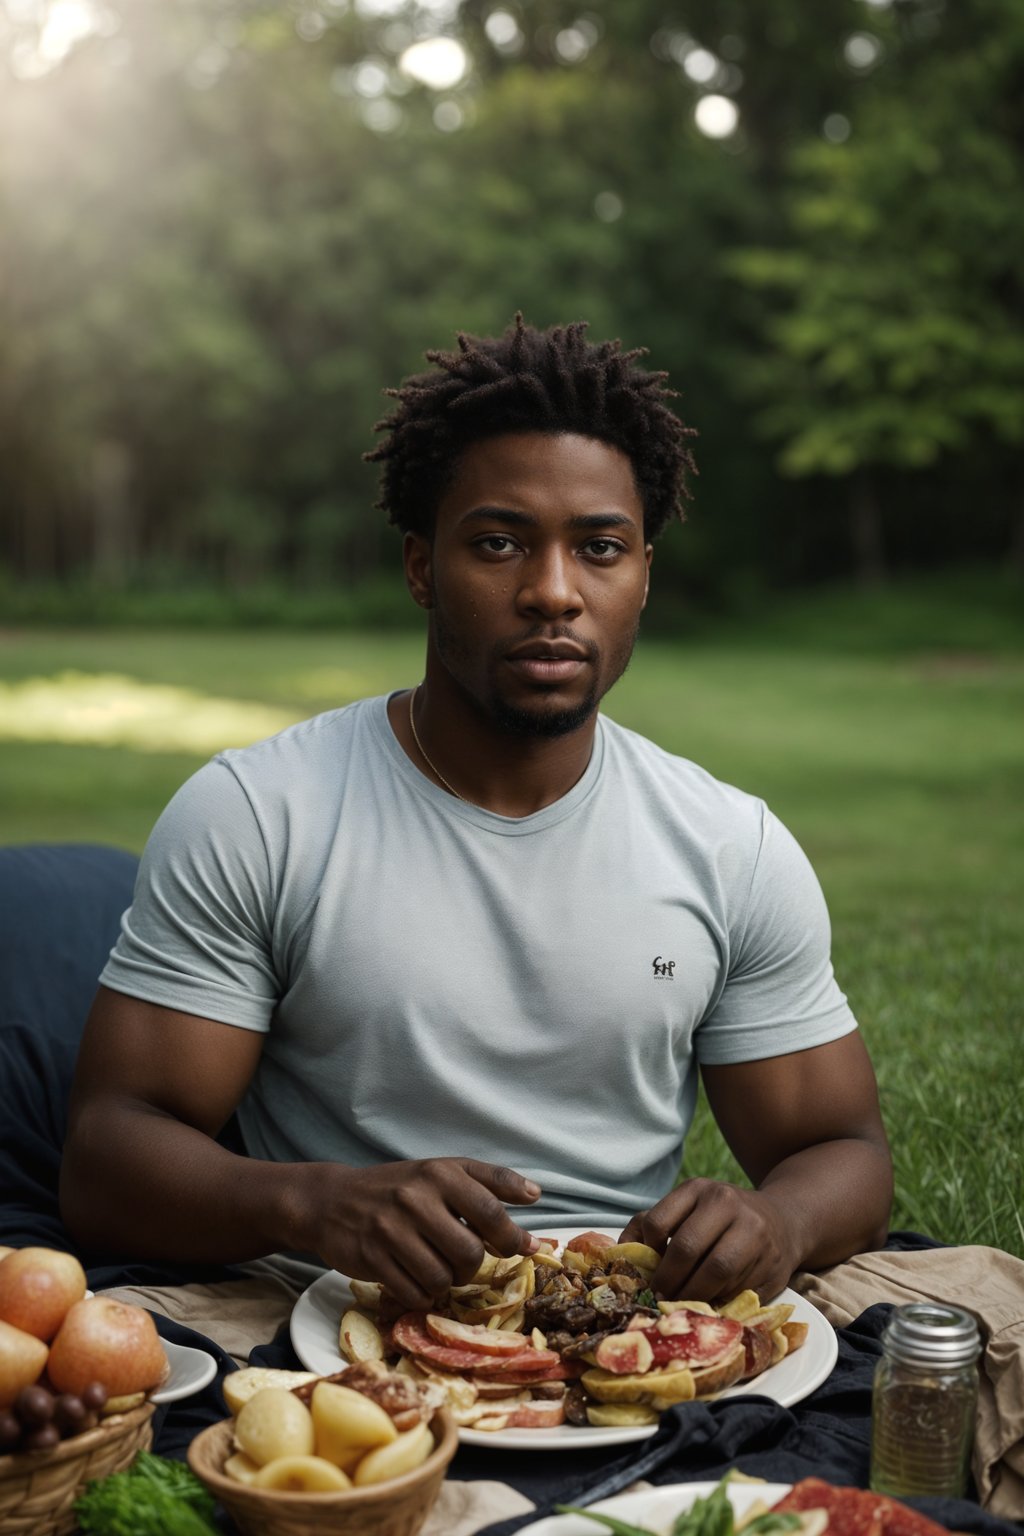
(22, 1357)
(37, 1286)
(110, 1341)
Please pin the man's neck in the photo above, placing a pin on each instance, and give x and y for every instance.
(510, 773)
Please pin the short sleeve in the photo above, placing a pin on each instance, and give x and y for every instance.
(780, 993)
(198, 934)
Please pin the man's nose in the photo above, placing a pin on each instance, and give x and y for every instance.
(549, 586)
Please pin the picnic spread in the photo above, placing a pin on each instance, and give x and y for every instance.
(230, 1316)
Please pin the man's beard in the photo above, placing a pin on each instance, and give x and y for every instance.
(540, 724)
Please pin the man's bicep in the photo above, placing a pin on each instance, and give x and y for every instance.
(191, 1068)
(770, 1109)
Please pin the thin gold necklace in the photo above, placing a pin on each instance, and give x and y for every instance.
(423, 751)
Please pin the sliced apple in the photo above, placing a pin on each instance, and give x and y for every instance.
(359, 1338)
(485, 1341)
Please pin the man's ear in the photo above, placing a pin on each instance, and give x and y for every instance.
(648, 556)
(417, 557)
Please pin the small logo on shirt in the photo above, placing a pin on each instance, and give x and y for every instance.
(664, 970)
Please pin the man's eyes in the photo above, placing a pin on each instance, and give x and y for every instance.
(604, 549)
(598, 549)
(496, 543)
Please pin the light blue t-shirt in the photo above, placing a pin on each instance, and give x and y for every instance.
(434, 979)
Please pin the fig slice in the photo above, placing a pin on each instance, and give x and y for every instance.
(625, 1354)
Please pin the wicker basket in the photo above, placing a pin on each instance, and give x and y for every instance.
(38, 1488)
(395, 1508)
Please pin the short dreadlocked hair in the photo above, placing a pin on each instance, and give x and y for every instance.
(531, 381)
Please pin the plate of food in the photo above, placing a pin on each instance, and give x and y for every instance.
(568, 1347)
(657, 1510)
(740, 1506)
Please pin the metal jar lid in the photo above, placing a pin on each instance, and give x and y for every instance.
(931, 1333)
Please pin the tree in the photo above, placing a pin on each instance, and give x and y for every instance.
(892, 332)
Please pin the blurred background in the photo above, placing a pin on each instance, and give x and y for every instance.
(227, 225)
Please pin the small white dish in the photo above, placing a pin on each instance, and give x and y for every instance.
(191, 1371)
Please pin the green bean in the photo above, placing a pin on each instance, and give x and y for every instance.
(770, 1522)
(617, 1527)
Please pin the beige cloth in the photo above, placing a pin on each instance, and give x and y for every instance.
(239, 1314)
(988, 1283)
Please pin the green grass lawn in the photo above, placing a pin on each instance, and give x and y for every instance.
(894, 753)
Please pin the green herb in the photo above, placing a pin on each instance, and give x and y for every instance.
(617, 1527)
(154, 1497)
(707, 1517)
(645, 1298)
(770, 1522)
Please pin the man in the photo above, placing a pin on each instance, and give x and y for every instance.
(475, 924)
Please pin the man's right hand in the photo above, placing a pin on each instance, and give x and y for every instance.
(417, 1227)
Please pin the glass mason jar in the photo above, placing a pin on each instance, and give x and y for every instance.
(924, 1401)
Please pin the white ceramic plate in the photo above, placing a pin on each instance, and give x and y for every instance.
(317, 1315)
(657, 1508)
(191, 1371)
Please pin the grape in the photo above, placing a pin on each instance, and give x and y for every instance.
(95, 1396)
(70, 1413)
(10, 1432)
(42, 1439)
(34, 1407)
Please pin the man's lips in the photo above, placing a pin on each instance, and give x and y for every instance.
(548, 661)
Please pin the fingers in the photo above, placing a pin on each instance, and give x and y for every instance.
(715, 1240)
(421, 1227)
(481, 1204)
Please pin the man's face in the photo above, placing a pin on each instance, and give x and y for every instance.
(536, 577)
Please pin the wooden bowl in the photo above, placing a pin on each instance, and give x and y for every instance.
(395, 1508)
(38, 1488)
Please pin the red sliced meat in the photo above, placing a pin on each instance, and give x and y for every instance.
(563, 1370)
(409, 1334)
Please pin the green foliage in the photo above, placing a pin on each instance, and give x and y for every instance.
(154, 1497)
(891, 319)
(218, 246)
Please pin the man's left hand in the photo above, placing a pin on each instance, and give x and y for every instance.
(716, 1240)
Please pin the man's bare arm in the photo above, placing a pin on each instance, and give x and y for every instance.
(142, 1173)
(807, 1131)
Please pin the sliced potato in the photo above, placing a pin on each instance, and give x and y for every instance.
(796, 1335)
(770, 1318)
(504, 1269)
(620, 1415)
(703, 1307)
(345, 1420)
(242, 1468)
(780, 1346)
(637, 1254)
(239, 1386)
(724, 1373)
(486, 1270)
(742, 1307)
(272, 1424)
(367, 1293)
(359, 1337)
(673, 1386)
(513, 1322)
(302, 1474)
(402, 1455)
